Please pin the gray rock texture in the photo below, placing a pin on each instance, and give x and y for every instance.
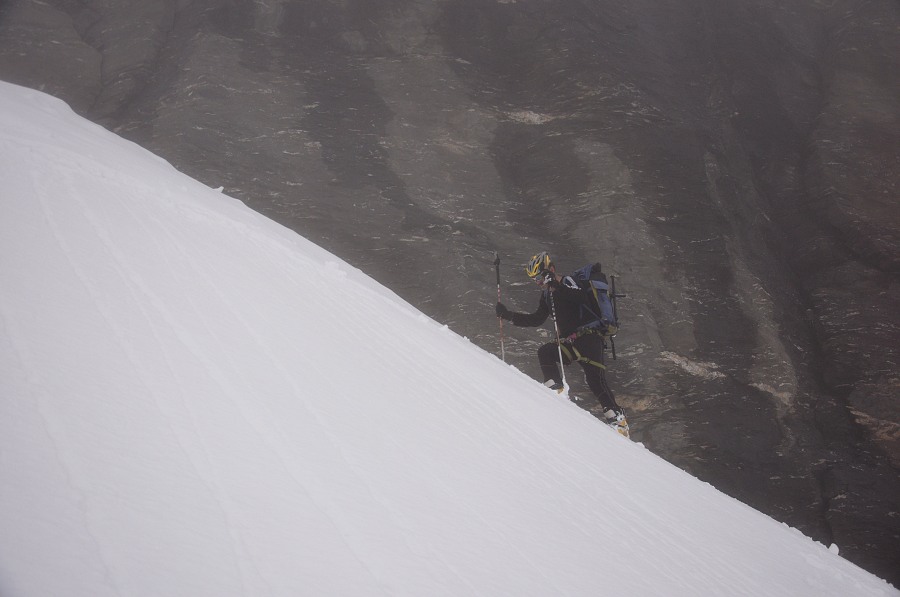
(735, 165)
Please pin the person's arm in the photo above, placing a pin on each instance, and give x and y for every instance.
(527, 320)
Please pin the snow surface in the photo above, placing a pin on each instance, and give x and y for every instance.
(196, 401)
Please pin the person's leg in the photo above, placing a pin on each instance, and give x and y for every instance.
(548, 357)
(591, 347)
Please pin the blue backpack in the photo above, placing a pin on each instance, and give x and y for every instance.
(594, 281)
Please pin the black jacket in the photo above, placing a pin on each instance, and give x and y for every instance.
(573, 308)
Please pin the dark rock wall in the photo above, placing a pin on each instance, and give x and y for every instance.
(734, 164)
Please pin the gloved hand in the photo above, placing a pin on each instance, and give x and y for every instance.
(503, 312)
(550, 282)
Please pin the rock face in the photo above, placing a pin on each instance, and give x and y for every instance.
(736, 165)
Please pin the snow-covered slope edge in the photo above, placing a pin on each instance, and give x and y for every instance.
(196, 401)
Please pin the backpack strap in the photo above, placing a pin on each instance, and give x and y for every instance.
(571, 282)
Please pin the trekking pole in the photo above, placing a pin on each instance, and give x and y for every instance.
(613, 296)
(562, 367)
(500, 319)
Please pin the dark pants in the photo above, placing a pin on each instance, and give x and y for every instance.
(589, 347)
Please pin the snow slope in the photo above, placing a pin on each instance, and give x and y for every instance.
(196, 401)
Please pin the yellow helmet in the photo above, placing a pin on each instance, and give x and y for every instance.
(538, 264)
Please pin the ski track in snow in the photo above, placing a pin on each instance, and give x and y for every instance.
(197, 401)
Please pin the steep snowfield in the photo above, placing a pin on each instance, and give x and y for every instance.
(196, 401)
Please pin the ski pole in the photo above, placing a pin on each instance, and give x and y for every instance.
(562, 367)
(500, 319)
